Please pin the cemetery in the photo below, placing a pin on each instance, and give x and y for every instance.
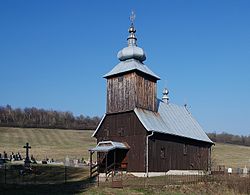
(18, 169)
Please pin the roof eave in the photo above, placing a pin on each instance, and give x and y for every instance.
(111, 75)
(97, 128)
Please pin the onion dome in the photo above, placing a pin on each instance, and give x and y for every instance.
(132, 51)
(165, 97)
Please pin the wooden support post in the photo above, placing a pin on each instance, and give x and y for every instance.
(106, 164)
(65, 174)
(209, 161)
(90, 163)
(114, 159)
(5, 178)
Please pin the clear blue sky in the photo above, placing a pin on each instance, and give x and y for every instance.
(53, 55)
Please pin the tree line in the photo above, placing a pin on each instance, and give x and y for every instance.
(230, 138)
(41, 118)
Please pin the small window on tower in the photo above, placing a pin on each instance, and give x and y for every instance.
(106, 133)
(120, 78)
(163, 152)
(121, 132)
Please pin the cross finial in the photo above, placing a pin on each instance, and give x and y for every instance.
(132, 17)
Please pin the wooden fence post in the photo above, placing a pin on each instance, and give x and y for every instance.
(65, 174)
(5, 178)
(35, 174)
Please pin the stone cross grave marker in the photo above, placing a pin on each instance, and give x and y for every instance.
(27, 159)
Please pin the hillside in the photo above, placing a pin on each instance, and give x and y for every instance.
(57, 144)
(230, 155)
(47, 143)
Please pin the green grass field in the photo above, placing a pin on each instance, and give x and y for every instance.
(47, 143)
(57, 144)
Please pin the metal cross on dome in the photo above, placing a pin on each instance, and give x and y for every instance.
(132, 17)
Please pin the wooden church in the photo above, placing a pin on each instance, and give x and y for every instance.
(141, 133)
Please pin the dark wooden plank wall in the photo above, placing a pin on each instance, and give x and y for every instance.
(125, 127)
(146, 96)
(130, 90)
(196, 158)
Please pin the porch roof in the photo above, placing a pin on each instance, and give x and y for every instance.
(105, 146)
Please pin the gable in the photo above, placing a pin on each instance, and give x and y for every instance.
(120, 125)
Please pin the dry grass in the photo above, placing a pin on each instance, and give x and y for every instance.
(47, 143)
(57, 144)
(201, 188)
(234, 156)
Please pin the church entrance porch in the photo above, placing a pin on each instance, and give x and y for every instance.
(111, 156)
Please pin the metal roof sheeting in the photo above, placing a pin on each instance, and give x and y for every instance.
(128, 65)
(172, 119)
(106, 146)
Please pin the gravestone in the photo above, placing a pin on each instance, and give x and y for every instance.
(238, 171)
(75, 162)
(245, 171)
(5, 156)
(230, 171)
(27, 158)
(67, 161)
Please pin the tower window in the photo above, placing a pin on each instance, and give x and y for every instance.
(121, 132)
(120, 78)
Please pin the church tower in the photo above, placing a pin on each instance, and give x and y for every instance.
(131, 84)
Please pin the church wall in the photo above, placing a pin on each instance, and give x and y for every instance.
(125, 127)
(168, 152)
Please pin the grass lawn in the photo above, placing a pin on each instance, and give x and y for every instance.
(202, 188)
(79, 188)
(47, 143)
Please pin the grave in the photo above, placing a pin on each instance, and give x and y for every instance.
(230, 171)
(27, 160)
(67, 161)
(245, 171)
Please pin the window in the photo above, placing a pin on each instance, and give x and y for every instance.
(185, 149)
(106, 134)
(120, 78)
(121, 132)
(163, 152)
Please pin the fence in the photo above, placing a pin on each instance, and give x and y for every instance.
(45, 174)
(237, 182)
(41, 174)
